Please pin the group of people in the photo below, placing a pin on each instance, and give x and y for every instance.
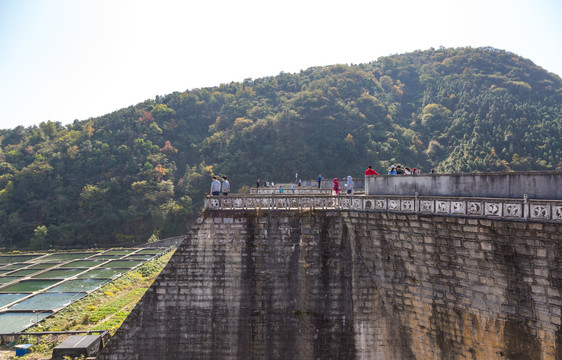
(397, 170)
(217, 188)
(394, 170)
(349, 184)
(336, 185)
(266, 184)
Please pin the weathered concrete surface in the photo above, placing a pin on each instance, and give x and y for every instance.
(537, 185)
(352, 285)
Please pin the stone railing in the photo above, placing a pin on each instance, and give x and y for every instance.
(532, 209)
(295, 191)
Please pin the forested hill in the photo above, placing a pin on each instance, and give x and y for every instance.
(142, 170)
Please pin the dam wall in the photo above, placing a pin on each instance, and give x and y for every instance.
(353, 284)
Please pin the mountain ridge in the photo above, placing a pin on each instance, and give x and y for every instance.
(141, 170)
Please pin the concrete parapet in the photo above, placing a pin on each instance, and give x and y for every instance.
(536, 185)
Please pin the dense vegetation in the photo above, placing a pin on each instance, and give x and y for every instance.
(143, 170)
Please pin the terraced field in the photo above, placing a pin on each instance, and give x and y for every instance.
(33, 287)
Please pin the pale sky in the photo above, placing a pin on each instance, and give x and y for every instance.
(62, 60)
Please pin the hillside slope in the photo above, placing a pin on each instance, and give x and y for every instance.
(142, 170)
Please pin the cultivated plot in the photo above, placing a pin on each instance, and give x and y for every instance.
(35, 286)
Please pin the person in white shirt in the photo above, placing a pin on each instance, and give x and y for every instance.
(349, 185)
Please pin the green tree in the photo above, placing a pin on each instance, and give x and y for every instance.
(39, 237)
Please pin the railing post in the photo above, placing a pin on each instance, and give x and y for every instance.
(338, 201)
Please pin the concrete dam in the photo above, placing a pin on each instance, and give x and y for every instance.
(364, 276)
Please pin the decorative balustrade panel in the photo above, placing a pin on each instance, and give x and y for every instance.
(541, 210)
(289, 191)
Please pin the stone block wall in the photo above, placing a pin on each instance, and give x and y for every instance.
(352, 285)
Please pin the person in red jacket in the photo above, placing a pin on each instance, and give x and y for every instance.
(370, 171)
(336, 186)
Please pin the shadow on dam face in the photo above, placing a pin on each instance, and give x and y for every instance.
(334, 284)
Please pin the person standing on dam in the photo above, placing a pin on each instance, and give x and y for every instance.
(225, 186)
(349, 185)
(371, 171)
(336, 186)
(215, 187)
